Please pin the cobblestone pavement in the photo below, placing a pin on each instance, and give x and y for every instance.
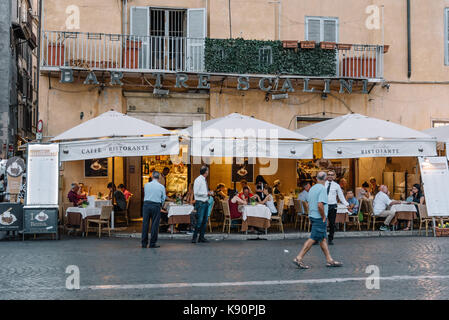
(36, 269)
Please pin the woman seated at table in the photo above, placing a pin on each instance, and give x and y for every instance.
(83, 191)
(220, 191)
(364, 193)
(247, 195)
(268, 200)
(120, 200)
(74, 196)
(234, 202)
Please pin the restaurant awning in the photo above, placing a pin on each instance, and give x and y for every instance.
(114, 134)
(236, 135)
(359, 136)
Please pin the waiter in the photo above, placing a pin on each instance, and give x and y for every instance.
(333, 190)
(201, 194)
(153, 200)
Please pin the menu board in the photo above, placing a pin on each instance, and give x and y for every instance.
(435, 176)
(42, 174)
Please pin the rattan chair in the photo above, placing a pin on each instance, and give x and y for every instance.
(354, 219)
(105, 219)
(299, 212)
(306, 219)
(227, 216)
(65, 225)
(423, 218)
(277, 220)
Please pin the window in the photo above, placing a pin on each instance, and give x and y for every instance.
(172, 39)
(265, 56)
(439, 123)
(320, 29)
(446, 36)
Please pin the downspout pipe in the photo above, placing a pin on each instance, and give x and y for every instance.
(409, 49)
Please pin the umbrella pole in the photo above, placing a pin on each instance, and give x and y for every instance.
(113, 180)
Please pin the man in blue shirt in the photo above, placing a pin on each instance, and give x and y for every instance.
(318, 206)
(152, 203)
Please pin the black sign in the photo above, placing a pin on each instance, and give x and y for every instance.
(40, 220)
(242, 171)
(11, 216)
(96, 167)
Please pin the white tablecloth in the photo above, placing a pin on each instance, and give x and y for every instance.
(403, 207)
(260, 211)
(85, 212)
(341, 208)
(100, 203)
(179, 210)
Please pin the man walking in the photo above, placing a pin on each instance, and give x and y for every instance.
(333, 190)
(201, 194)
(318, 209)
(153, 200)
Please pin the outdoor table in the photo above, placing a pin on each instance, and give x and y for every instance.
(255, 216)
(288, 201)
(100, 203)
(342, 214)
(179, 213)
(404, 211)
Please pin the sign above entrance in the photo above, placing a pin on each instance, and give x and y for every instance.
(265, 83)
(125, 147)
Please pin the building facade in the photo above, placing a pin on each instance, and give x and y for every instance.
(19, 74)
(289, 62)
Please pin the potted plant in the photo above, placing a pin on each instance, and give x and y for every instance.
(327, 45)
(307, 44)
(386, 47)
(290, 44)
(344, 46)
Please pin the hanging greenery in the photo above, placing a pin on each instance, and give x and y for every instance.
(266, 57)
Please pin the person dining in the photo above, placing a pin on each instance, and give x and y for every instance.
(374, 188)
(381, 204)
(244, 184)
(247, 195)
(74, 196)
(220, 191)
(305, 191)
(364, 193)
(260, 185)
(234, 202)
(120, 201)
(276, 185)
(353, 207)
(268, 200)
(125, 191)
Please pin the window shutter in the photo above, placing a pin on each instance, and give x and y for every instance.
(446, 35)
(196, 33)
(140, 17)
(313, 30)
(139, 27)
(330, 30)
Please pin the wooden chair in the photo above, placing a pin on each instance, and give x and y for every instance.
(306, 219)
(105, 219)
(123, 213)
(423, 218)
(227, 216)
(278, 219)
(354, 219)
(371, 216)
(298, 212)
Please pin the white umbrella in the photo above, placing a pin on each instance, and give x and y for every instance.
(359, 136)
(113, 134)
(236, 135)
(441, 134)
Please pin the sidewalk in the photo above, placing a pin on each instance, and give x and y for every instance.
(276, 236)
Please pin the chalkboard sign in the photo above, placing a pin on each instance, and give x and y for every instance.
(40, 220)
(11, 216)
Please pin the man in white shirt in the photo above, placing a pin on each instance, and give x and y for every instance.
(303, 196)
(201, 194)
(381, 204)
(333, 190)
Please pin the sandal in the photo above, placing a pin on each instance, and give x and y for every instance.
(300, 264)
(334, 264)
(406, 229)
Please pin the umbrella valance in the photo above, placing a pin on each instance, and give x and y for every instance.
(237, 135)
(359, 136)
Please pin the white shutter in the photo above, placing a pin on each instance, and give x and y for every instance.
(446, 36)
(313, 30)
(330, 30)
(14, 9)
(140, 31)
(196, 34)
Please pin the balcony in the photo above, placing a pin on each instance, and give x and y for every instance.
(127, 53)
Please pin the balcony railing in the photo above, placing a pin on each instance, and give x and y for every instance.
(121, 52)
(98, 51)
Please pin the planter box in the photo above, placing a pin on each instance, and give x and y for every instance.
(307, 44)
(328, 45)
(344, 46)
(442, 232)
(357, 67)
(131, 54)
(386, 47)
(55, 54)
(290, 44)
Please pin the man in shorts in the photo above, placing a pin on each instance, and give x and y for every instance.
(317, 199)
